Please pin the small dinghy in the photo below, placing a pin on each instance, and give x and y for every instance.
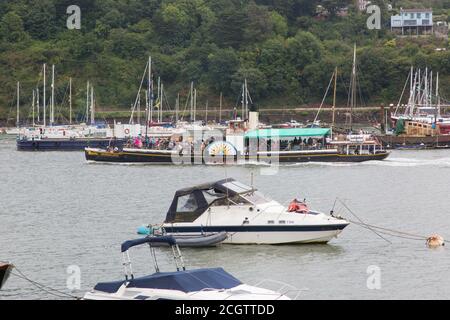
(196, 284)
(201, 240)
(5, 270)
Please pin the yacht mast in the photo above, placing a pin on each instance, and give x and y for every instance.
(438, 109)
(38, 111)
(333, 117)
(195, 105)
(353, 93)
(70, 100)
(192, 101)
(92, 106)
(177, 107)
(87, 102)
(45, 106)
(33, 106)
(220, 108)
(18, 105)
(150, 89)
(52, 106)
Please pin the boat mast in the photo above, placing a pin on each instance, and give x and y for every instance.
(177, 107)
(38, 111)
(33, 106)
(220, 108)
(206, 115)
(52, 106)
(333, 117)
(161, 103)
(45, 83)
(353, 93)
(246, 99)
(243, 101)
(438, 108)
(92, 106)
(18, 105)
(70, 100)
(195, 105)
(150, 89)
(192, 101)
(87, 102)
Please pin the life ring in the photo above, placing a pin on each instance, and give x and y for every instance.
(127, 131)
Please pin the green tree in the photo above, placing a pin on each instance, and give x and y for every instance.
(11, 28)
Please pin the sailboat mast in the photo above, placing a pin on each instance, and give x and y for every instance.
(70, 100)
(246, 99)
(38, 111)
(243, 101)
(150, 96)
(220, 108)
(192, 101)
(45, 84)
(92, 106)
(438, 109)
(18, 105)
(177, 107)
(353, 97)
(150, 90)
(333, 117)
(161, 103)
(206, 115)
(87, 102)
(33, 106)
(195, 105)
(52, 107)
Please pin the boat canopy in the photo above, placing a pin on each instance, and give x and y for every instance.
(289, 132)
(185, 281)
(189, 203)
(132, 243)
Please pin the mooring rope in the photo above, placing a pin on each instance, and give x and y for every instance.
(382, 230)
(42, 287)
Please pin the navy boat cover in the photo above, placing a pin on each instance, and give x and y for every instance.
(132, 243)
(185, 281)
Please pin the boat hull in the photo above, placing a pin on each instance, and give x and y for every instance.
(77, 144)
(5, 270)
(267, 234)
(159, 157)
(414, 142)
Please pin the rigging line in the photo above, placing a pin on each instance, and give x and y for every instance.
(324, 97)
(345, 206)
(42, 286)
(403, 92)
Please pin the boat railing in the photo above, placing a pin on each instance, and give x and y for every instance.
(284, 288)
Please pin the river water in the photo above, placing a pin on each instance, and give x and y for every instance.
(58, 211)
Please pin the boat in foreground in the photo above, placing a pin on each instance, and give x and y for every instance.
(5, 270)
(196, 284)
(248, 216)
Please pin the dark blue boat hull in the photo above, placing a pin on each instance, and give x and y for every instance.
(67, 144)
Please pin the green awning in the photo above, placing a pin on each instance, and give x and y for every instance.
(292, 132)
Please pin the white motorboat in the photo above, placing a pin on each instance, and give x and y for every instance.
(248, 216)
(197, 284)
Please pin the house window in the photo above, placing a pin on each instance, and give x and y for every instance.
(419, 15)
(411, 15)
(427, 15)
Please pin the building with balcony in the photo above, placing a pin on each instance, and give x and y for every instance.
(413, 22)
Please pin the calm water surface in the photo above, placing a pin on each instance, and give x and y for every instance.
(57, 211)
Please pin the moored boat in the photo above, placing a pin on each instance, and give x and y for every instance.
(248, 216)
(5, 270)
(195, 284)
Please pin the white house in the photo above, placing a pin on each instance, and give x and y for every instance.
(409, 21)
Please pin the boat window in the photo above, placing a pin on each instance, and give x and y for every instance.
(231, 201)
(211, 196)
(187, 203)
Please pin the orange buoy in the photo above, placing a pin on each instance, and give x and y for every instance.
(435, 241)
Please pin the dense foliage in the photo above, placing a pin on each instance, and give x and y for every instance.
(285, 51)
